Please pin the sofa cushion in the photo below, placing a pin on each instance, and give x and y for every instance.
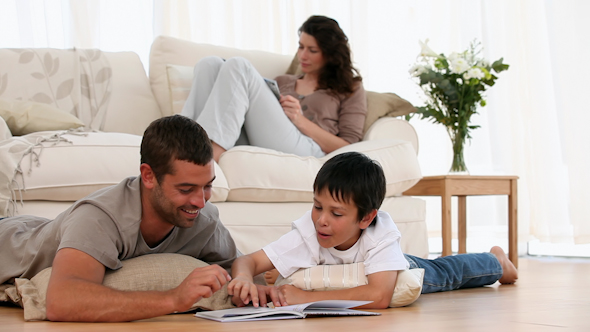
(256, 174)
(25, 117)
(77, 164)
(172, 51)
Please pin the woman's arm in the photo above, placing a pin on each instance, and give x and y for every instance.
(379, 290)
(328, 142)
(352, 115)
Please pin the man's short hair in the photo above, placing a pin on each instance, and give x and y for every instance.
(352, 176)
(172, 138)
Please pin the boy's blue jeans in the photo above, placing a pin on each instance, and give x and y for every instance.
(458, 271)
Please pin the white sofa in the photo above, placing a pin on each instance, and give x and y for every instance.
(258, 191)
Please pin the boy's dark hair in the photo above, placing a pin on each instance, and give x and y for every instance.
(352, 176)
(172, 138)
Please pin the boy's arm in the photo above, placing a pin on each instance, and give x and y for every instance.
(379, 290)
(242, 285)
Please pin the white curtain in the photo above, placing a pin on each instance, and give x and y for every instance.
(536, 124)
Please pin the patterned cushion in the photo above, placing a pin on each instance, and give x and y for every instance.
(408, 285)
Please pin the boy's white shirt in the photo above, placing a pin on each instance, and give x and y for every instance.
(378, 247)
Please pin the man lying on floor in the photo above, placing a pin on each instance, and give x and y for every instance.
(164, 210)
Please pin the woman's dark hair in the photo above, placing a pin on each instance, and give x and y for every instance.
(353, 177)
(172, 138)
(338, 74)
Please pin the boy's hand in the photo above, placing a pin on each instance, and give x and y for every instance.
(290, 295)
(244, 289)
(267, 293)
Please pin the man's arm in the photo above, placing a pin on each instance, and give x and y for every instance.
(379, 290)
(75, 292)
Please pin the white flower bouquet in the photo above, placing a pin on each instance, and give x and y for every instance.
(454, 87)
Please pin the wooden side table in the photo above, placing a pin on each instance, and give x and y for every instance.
(462, 186)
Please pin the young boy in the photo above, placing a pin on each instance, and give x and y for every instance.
(344, 227)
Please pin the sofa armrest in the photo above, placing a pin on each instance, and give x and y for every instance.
(388, 127)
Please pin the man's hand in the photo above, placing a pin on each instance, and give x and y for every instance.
(201, 283)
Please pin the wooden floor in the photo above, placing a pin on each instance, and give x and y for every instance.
(552, 294)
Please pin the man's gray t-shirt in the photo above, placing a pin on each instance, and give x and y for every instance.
(105, 225)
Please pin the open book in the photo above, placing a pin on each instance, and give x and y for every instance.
(319, 308)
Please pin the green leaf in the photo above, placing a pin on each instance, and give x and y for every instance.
(498, 66)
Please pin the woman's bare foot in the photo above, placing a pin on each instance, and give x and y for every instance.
(271, 276)
(510, 273)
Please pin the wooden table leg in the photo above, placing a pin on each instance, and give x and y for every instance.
(446, 223)
(512, 223)
(462, 221)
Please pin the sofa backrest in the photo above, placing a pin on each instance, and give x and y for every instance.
(172, 60)
(108, 91)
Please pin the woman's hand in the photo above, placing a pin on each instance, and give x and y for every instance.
(328, 142)
(292, 109)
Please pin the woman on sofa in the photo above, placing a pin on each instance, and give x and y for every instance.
(317, 112)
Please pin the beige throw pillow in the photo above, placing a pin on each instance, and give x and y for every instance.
(180, 80)
(155, 272)
(333, 277)
(25, 117)
(382, 104)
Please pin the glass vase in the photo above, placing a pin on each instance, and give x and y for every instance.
(458, 165)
